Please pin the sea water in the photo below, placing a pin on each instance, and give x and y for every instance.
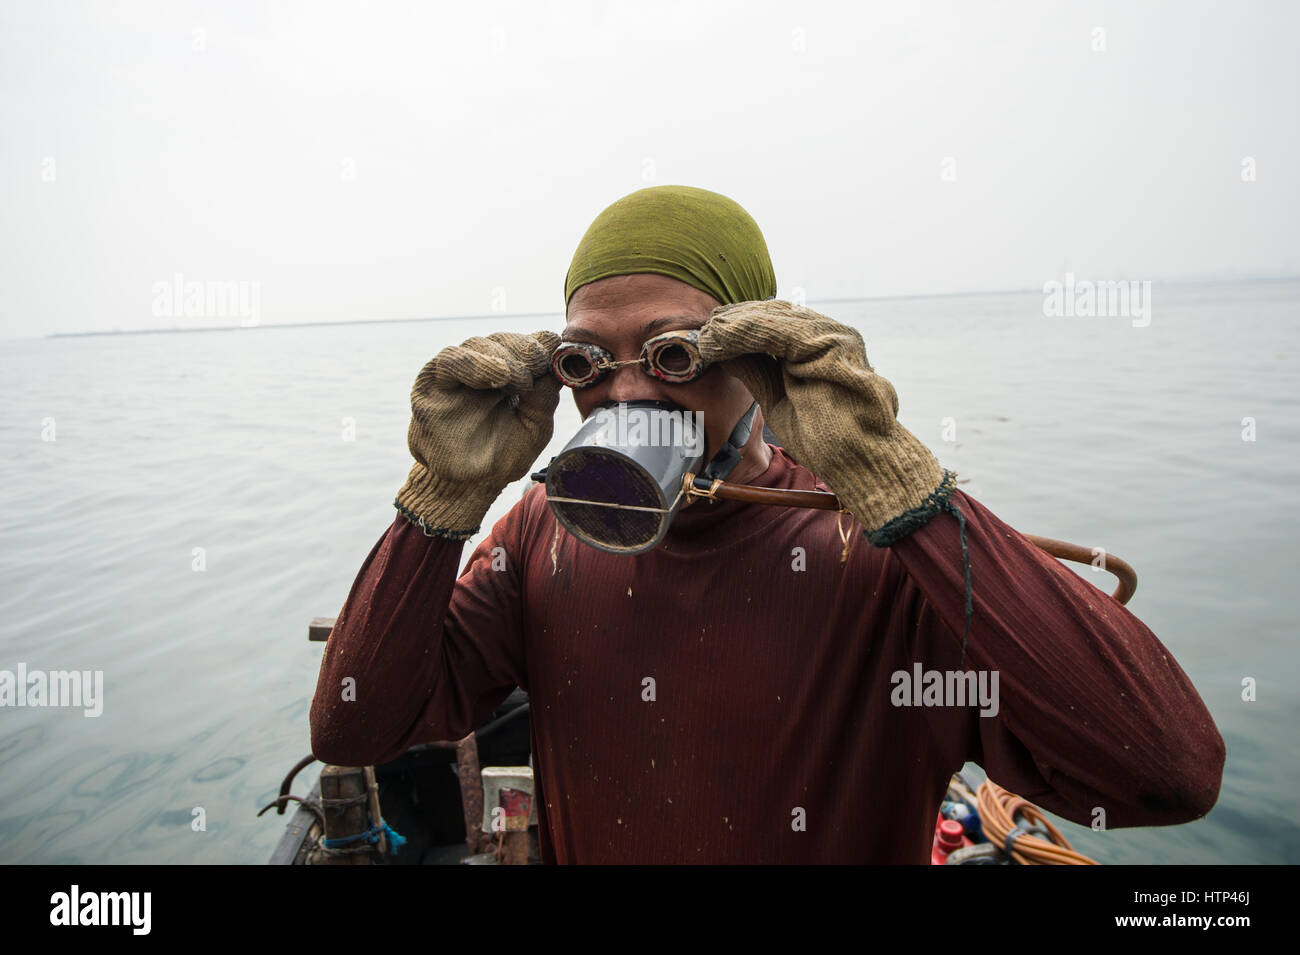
(177, 507)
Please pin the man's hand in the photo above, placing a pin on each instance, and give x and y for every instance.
(481, 412)
(811, 377)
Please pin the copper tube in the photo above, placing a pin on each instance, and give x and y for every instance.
(698, 488)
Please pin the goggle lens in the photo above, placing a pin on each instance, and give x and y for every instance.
(674, 360)
(576, 367)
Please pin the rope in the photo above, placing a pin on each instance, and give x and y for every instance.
(620, 507)
(370, 836)
(845, 537)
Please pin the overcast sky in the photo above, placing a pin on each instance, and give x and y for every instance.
(387, 160)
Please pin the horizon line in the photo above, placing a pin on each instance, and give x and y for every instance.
(515, 315)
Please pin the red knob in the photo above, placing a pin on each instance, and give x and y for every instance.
(950, 833)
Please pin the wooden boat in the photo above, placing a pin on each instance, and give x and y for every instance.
(432, 796)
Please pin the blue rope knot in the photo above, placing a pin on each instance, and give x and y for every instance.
(371, 835)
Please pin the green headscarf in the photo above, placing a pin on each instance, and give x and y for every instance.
(695, 236)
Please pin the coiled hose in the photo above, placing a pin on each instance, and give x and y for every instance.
(1001, 812)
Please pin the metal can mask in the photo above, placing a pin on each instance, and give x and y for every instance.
(618, 483)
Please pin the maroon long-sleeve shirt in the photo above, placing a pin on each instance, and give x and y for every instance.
(770, 731)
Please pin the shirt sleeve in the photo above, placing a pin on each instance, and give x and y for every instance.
(429, 655)
(1093, 709)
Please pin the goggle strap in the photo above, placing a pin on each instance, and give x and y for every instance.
(728, 456)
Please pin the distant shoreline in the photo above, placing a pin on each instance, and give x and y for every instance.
(249, 328)
(516, 315)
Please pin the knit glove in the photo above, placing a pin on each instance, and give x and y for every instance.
(481, 413)
(811, 377)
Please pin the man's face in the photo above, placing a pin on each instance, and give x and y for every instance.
(619, 314)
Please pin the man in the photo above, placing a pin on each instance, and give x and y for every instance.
(730, 696)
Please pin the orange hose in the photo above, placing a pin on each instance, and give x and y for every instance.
(999, 810)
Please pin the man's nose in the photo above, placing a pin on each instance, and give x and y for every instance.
(630, 383)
